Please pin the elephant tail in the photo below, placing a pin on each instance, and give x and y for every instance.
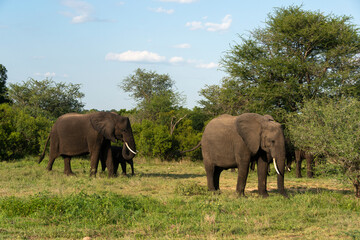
(194, 148)
(43, 154)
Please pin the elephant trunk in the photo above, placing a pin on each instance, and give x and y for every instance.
(129, 150)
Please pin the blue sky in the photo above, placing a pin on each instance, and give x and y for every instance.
(98, 43)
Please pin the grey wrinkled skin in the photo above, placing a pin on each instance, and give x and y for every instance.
(78, 134)
(236, 141)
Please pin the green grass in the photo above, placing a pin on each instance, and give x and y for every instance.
(167, 201)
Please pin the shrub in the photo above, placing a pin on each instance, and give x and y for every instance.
(332, 128)
(20, 133)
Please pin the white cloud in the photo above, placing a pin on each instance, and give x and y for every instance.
(207, 65)
(194, 25)
(211, 27)
(182, 45)
(175, 60)
(49, 74)
(80, 11)
(46, 75)
(179, 1)
(135, 56)
(162, 10)
(224, 25)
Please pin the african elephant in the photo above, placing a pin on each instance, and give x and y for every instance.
(118, 158)
(235, 141)
(299, 156)
(78, 134)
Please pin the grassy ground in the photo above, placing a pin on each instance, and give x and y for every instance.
(167, 201)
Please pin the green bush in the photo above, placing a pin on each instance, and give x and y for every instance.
(330, 127)
(20, 133)
(188, 138)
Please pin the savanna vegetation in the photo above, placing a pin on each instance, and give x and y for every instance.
(303, 68)
(168, 200)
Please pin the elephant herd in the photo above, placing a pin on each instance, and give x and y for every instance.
(227, 142)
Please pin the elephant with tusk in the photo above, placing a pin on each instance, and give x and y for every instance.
(78, 134)
(236, 141)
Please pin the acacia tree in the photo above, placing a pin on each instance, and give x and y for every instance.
(298, 55)
(46, 97)
(153, 92)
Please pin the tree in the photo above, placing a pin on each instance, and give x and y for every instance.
(3, 89)
(153, 92)
(331, 128)
(20, 133)
(298, 55)
(47, 97)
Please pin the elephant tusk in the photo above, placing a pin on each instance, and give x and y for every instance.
(129, 148)
(289, 169)
(276, 168)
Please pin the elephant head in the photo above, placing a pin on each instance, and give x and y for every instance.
(263, 133)
(113, 126)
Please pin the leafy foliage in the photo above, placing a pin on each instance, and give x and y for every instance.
(153, 92)
(46, 97)
(20, 133)
(332, 128)
(299, 55)
(3, 89)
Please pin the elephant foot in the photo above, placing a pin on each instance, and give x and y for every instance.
(241, 194)
(285, 195)
(264, 194)
(215, 192)
(70, 173)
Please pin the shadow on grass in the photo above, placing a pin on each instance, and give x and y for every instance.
(312, 190)
(172, 175)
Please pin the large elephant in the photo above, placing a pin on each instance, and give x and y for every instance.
(118, 158)
(235, 141)
(78, 134)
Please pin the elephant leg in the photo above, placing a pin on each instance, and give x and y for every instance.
(67, 166)
(103, 162)
(298, 163)
(109, 162)
(52, 158)
(243, 170)
(94, 162)
(217, 172)
(116, 166)
(210, 169)
(132, 168)
(309, 165)
(262, 172)
(123, 167)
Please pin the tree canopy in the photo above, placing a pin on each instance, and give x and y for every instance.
(46, 97)
(298, 55)
(153, 92)
(3, 89)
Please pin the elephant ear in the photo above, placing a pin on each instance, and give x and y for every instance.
(104, 123)
(249, 128)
